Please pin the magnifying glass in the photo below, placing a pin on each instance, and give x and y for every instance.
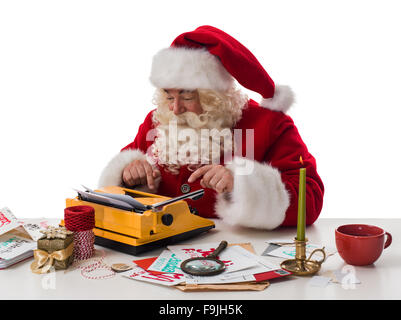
(205, 266)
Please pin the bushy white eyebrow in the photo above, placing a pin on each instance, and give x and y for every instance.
(181, 91)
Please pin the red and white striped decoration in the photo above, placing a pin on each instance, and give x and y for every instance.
(90, 268)
(81, 221)
(84, 244)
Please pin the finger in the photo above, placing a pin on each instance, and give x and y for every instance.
(135, 176)
(230, 182)
(216, 178)
(127, 178)
(142, 174)
(221, 186)
(202, 184)
(224, 184)
(149, 175)
(131, 175)
(199, 173)
(207, 177)
(156, 173)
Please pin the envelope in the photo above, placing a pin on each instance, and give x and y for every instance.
(242, 286)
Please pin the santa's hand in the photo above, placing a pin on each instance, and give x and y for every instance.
(214, 176)
(140, 172)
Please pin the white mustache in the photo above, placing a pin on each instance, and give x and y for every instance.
(192, 119)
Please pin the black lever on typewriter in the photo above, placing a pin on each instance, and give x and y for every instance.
(192, 195)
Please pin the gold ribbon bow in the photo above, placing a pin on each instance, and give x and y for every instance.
(44, 260)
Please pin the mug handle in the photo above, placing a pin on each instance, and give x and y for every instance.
(388, 241)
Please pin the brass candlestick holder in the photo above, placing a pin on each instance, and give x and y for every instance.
(300, 266)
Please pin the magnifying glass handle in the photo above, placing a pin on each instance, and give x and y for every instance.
(219, 249)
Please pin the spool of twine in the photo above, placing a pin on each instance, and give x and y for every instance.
(81, 221)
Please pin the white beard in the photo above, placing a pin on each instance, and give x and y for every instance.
(187, 139)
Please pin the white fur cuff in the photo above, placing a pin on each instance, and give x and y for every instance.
(259, 198)
(112, 174)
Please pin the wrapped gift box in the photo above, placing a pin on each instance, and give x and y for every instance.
(53, 241)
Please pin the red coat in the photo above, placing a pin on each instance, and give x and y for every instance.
(267, 197)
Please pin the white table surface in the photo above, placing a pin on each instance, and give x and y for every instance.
(381, 280)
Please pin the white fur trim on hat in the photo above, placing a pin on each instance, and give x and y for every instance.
(259, 199)
(112, 173)
(282, 100)
(187, 68)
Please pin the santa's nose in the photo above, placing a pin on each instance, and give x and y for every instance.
(177, 107)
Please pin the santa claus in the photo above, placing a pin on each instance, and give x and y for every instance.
(206, 133)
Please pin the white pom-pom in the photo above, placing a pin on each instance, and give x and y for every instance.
(282, 100)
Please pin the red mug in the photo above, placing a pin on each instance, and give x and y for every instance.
(361, 244)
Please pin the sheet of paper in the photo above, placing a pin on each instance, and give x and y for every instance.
(12, 246)
(269, 249)
(242, 275)
(288, 252)
(217, 279)
(271, 275)
(249, 255)
(261, 266)
(7, 220)
(167, 261)
(231, 257)
(145, 263)
(98, 198)
(9, 262)
(165, 279)
(34, 226)
(279, 241)
(152, 265)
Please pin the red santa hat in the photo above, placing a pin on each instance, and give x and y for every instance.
(208, 58)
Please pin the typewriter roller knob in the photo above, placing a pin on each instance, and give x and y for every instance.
(167, 219)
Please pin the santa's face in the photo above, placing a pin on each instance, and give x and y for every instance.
(181, 101)
(193, 127)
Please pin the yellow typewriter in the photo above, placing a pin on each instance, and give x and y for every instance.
(133, 222)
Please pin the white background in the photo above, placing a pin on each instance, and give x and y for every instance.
(74, 88)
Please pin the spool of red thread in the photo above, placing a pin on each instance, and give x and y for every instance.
(81, 220)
